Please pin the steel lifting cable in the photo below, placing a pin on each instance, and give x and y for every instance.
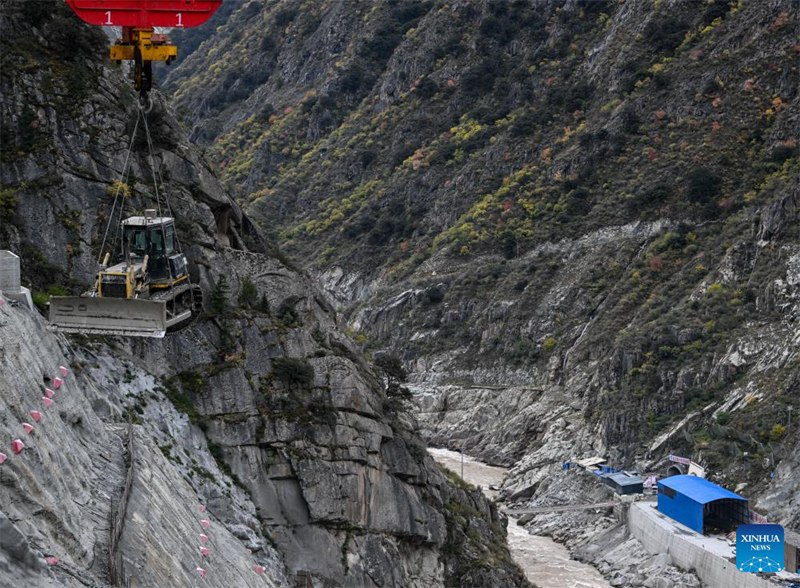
(169, 206)
(122, 175)
(121, 213)
(145, 112)
(155, 187)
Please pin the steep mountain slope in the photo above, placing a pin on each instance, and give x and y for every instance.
(596, 202)
(263, 410)
(61, 492)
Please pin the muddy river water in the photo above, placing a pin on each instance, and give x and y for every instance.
(545, 562)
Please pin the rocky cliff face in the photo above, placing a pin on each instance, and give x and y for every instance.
(62, 491)
(591, 206)
(265, 412)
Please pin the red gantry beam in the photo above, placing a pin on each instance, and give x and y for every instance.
(145, 14)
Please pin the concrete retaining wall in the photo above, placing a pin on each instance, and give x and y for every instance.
(712, 569)
(9, 272)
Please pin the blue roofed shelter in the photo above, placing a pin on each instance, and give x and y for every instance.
(700, 504)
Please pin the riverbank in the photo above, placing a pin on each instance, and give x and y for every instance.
(546, 563)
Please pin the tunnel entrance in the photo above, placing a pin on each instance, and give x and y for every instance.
(674, 470)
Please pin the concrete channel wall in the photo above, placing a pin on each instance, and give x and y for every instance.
(712, 569)
(9, 272)
(10, 288)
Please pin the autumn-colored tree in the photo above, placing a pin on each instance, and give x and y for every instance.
(655, 263)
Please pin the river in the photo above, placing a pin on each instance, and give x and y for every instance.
(545, 562)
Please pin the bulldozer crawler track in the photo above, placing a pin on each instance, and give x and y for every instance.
(197, 307)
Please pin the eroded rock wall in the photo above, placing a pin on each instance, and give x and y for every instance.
(262, 410)
(60, 493)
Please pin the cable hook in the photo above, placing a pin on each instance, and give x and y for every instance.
(145, 103)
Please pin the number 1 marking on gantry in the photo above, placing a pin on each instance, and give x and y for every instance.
(108, 18)
(180, 20)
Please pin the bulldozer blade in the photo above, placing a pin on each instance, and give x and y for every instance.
(108, 316)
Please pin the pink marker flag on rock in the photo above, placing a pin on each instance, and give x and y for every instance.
(2, 302)
(36, 415)
(17, 446)
(206, 524)
(49, 393)
(64, 371)
(203, 538)
(47, 401)
(205, 551)
(259, 570)
(3, 457)
(51, 560)
(201, 507)
(201, 571)
(28, 428)
(57, 383)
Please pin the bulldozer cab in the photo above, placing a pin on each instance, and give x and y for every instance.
(153, 237)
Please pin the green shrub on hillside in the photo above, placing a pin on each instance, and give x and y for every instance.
(248, 294)
(293, 371)
(479, 79)
(218, 303)
(8, 204)
(781, 153)
(391, 366)
(426, 88)
(777, 432)
(287, 316)
(42, 299)
(402, 17)
(702, 185)
(263, 304)
(664, 33)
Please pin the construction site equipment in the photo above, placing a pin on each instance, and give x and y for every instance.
(147, 291)
(138, 20)
(145, 294)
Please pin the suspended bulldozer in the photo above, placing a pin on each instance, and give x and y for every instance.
(145, 293)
